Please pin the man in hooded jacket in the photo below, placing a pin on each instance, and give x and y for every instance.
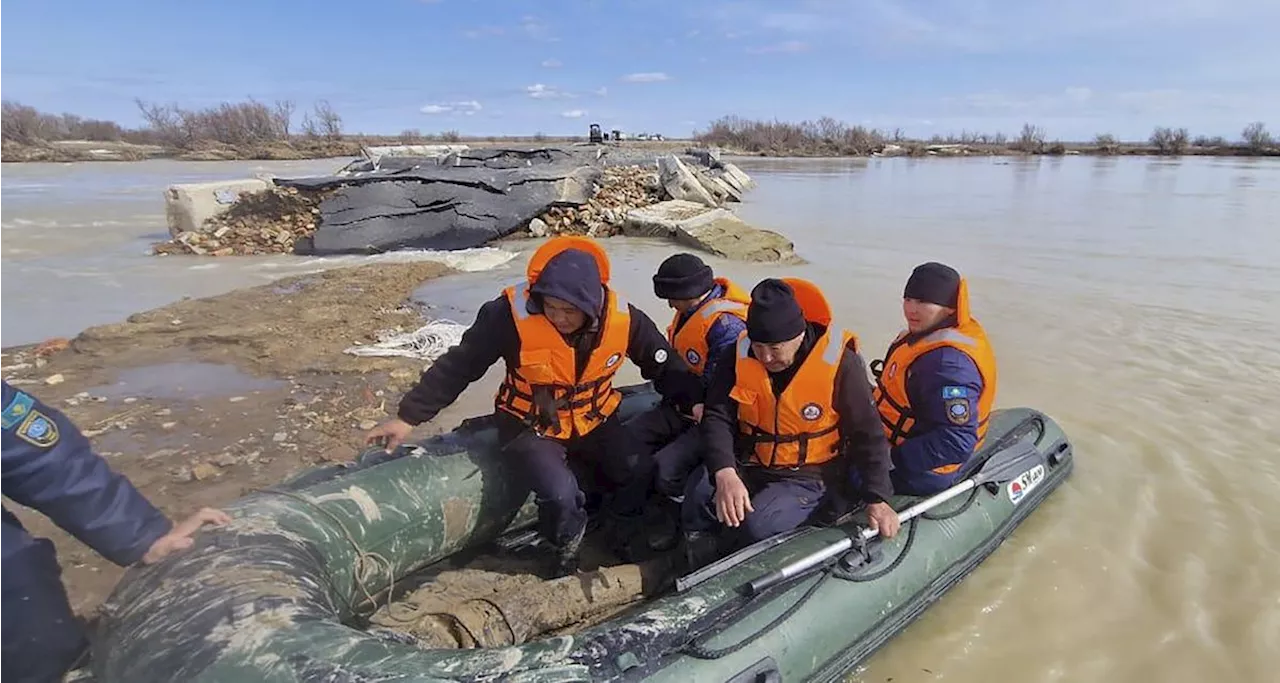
(562, 334)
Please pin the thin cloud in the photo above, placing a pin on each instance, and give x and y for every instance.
(551, 64)
(574, 114)
(600, 92)
(785, 47)
(467, 107)
(646, 77)
(541, 91)
(484, 32)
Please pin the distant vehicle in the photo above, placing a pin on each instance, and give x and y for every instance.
(618, 136)
(642, 136)
(595, 135)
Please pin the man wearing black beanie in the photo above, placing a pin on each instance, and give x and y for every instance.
(786, 406)
(937, 383)
(563, 334)
(709, 315)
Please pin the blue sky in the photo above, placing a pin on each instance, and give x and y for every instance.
(1074, 67)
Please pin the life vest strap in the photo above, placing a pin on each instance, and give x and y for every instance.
(756, 436)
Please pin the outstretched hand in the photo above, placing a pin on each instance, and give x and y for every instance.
(181, 536)
(389, 434)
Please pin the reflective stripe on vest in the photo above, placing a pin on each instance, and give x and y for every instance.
(890, 392)
(546, 376)
(800, 427)
(690, 341)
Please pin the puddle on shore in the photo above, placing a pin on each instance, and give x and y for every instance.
(185, 380)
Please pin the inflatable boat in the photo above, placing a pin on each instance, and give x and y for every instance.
(284, 593)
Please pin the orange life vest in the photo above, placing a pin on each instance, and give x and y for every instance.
(690, 339)
(890, 391)
(548, 364)
(800, 427)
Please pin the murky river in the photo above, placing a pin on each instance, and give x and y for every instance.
(1134, 300)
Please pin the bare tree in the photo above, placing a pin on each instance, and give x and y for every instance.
(284, 116)
(327, 122)
(1106, 143)
(1256, 136)
(1169, 140)
(1030, 139)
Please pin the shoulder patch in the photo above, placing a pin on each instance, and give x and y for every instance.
(38, 430)
(17, 410)
(660, 356)
(955, 392)
(958, 410)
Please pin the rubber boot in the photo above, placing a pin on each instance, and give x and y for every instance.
(701, 548)
(665, 533)
(565, 559)
(623, 533)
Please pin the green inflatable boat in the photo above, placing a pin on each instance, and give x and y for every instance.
(283, 594)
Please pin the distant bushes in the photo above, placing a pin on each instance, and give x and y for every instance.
(830, 137)
(242, 123)
(21, 123)
(826, 136)
(169, 125)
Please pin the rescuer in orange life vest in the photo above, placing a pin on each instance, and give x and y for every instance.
(710, 313)
(789, 402)
(563, 334)
(936, 384)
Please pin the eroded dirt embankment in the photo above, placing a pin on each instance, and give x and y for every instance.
(203, 400)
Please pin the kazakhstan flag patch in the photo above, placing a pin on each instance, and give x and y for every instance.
(17, 410)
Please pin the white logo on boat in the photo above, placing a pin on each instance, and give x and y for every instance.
(1025, 482)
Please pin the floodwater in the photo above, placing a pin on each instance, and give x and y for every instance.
(1133, 300)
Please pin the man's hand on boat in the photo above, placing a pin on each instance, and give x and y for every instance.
(883, 518)
(389, 434)
(733, 500)
(180, 537)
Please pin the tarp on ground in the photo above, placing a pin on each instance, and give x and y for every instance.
(430, 206)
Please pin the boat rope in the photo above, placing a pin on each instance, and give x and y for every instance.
(367, 563)
(697, 648)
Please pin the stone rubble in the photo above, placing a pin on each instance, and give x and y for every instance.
(271, 221)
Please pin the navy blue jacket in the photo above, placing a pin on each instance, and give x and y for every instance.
(722, 335)
(942, 435)
(573, 277)
(48, 465)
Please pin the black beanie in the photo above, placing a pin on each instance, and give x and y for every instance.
(774, 314)
(683, 276)
(935, 283)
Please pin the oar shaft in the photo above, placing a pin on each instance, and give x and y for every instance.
(926, 505)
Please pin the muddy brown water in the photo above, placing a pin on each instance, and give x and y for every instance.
(1132, 299)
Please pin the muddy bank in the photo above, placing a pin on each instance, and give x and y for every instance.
(204, 400)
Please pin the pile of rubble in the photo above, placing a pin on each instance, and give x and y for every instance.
(261, 217)
(266, 222)
(622, 189)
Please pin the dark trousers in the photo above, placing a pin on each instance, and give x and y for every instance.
(782, 501)
(561, 472)
(675, 444)
(42, 637)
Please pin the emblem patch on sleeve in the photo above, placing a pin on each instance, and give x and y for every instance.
(955, 392)
(958, 410)
(660, 356)
(38, 430)
(17, 410)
